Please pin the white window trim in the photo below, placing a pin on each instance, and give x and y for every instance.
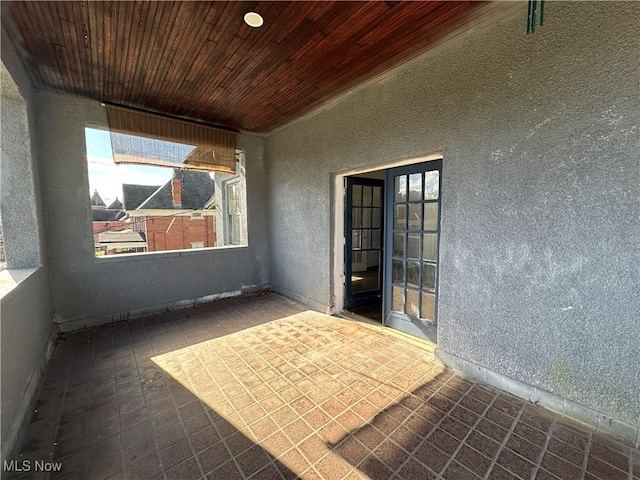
(236, 181)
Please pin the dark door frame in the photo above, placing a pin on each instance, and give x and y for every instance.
(399, 320)
(338, 189)
(357, 299)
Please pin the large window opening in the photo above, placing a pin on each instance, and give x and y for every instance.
(137, 208)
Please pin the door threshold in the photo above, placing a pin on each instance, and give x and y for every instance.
(422, 344)
(349, 315)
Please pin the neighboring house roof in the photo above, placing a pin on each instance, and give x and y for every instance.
(107, 215)
(134, 195)
(196, 191)
(115, 205)
(96, 200)
(112, 213)
(119, 237)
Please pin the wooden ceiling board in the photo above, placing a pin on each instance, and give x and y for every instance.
(199, 60)
(224, 44)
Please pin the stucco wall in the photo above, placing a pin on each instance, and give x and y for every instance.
(540, 198)
(17, 193)
(89, 290)
(26, 312)
(25, 332)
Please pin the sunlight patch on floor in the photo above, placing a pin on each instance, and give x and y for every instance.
(299, 386)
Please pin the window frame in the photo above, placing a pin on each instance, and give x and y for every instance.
(233, 220)
(219, 207)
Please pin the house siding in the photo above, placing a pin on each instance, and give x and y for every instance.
(539, 248)
(179, 232)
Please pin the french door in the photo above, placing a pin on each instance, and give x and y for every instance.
(412, 228)
(363, 241)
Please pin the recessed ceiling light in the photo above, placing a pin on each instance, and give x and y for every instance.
(253, 19)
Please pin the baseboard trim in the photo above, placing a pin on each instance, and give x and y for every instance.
(72, 325)
(591, 418)
(317, 306)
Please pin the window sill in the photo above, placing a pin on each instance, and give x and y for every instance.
(132, 257)
(11, 278)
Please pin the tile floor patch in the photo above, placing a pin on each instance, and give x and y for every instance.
(258, 387)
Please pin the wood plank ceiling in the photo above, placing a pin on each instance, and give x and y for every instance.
(199, 60)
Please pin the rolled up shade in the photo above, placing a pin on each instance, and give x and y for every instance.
(146, 139)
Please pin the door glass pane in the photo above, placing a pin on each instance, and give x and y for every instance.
(397, 301)
(377, 196)
(357, 195)
(399, 214)
(398, 271)
(428, 276)
(431, 216)
(413, 245)
(400, 188)
(413, 274)
(365, 240)
(428, 310)
(374, 259)
(377, 218)
(430, 246)
(398, 244)
(356, 240)
(363, 280)
(356, 217)
(367, 279)
(366, 217)
(375, 239)
(431, 185)
(413, 296)
(358, 282)
(415, 187)
(415, 216)
(366, 195)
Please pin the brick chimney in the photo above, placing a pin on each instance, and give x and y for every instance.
(176, 192)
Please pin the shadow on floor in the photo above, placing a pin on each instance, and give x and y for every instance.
(259, 387)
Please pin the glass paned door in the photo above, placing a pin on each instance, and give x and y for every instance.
(411, 261)
(363, 242)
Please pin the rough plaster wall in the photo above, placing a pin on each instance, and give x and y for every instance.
(25, 330)
(301, 239)
(84, 287)
(26, 312)
(17, 197)
(540, 230)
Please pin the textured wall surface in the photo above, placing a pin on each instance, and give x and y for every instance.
(540, 200)
(17, 196)
(85, 288)
(26, 311)
(25, 330)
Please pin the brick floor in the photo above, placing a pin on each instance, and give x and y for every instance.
(259, 387)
